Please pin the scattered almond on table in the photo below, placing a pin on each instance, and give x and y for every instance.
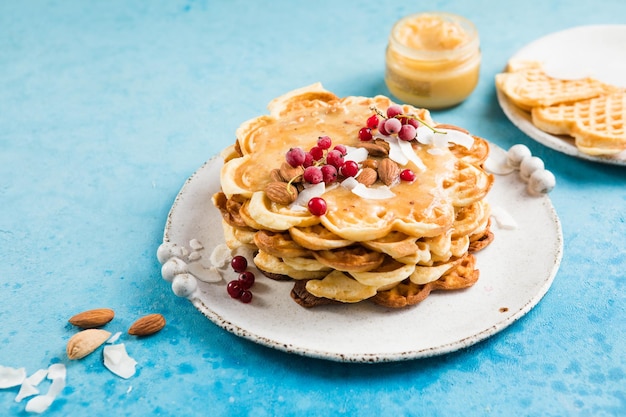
(85, 342)
(147, 325)
(92, 318)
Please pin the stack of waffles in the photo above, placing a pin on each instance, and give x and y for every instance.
(381, 238)
(591, 112)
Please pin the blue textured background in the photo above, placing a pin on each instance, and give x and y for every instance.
(107, 107)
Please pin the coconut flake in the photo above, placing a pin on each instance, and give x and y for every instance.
(36, 378)
(373, 193)
(116, 360)
(395, 151)
(57, 373)
(497, 162)
(39, 404)
(426, 136)
(195, 244)
(11, 377)
(114, 338)
(349, 183)
(220, 255)
(460, 138)
(357, 155)
(26, 390)
(308, 193)
(503, 218)
(408, 151)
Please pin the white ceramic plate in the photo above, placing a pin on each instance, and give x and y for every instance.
(516, 270)
(586, 51)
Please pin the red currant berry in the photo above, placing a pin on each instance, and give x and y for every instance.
(329, 173)
(246, 296)
(407, 133)
(372, 121)
(413, 122)
(234, 289)
(393, 126)
(342, 149)
(349, 169)
(239, 263)
(381, 127)
(394, 110)
(407, 175)
(317, 206)
(308, 160)
(313, 175)
(295, 157)
(324, 142)
(246, 279)
(365, 134)
(334, 158)
(317, 153)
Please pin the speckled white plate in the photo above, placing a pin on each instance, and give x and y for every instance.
(516, 271)
(585, 51)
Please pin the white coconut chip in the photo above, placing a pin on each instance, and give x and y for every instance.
(308, 193)
(373, 193)
(57, 373)
(503, 218)
(497, 162)
(408, 151)
(426, 136)
(114, 338)
(349, 183)
(11, 377)
(36, 378)
(357, 155)
(28, 387)
(220, 255)
(26, 390)
(116, 360)
(195, 244)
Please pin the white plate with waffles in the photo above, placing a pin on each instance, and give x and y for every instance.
(585, 51)
(516, 271)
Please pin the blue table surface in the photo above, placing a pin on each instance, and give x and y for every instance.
(106, 108)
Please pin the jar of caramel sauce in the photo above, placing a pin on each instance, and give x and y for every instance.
(432, 59)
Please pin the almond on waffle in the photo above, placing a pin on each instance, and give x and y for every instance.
(400, 210)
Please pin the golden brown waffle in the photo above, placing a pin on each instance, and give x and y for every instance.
(598, 125)
(589, 111)
(362, 246)
(529, 86)
(407, 293)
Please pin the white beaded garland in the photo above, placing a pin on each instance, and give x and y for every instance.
(541, 182)
(184, 285)
(173, 267)
(529, 165)
(516, 154)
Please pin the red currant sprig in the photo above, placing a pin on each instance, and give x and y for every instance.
(322, 162)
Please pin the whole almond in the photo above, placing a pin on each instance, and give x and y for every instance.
(289, 173)
(388, 171)
(85, 342)
(275, 175)
(92, 318)
(367, 177)
(147, 325)
(377, 147)
(281, 192)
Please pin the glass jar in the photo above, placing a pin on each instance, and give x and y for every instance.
(432, 59)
